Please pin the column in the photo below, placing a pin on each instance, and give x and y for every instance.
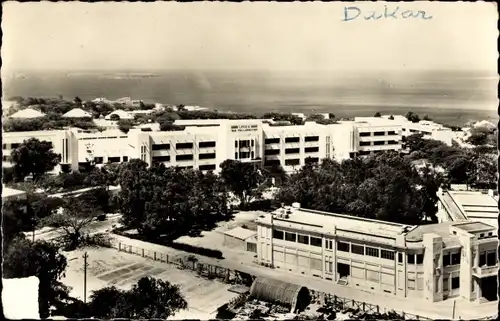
(433, 267)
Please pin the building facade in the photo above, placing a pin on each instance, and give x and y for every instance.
(204, 144)
(432, 262)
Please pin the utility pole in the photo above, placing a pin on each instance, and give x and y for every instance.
(454, 303)
(85, 256)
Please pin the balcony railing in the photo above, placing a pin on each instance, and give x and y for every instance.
(485, 271)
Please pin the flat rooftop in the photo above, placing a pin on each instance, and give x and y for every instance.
(324, 220)
(474, 227)
(472, 205)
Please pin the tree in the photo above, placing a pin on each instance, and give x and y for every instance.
(181, 107)
(125, 125)
(103, 176)
(77, 101)
(114, 117)
(391, 117)
(34, 157)
(411, 116)
(377, 114)
(331, 115)
(316, 117)
(23, 258)
(426, 117)
(245, 180)
(478, 138)
(168, 126)
(77, 214)
(148, 299)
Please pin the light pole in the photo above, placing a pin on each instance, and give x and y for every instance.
(85, 256)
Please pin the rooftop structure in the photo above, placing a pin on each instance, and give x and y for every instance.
(28, 113)
(458, 205)
(120, 113)
(431, 262)
(77, 113)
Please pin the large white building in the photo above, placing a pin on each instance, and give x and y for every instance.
(432, 262)
(204, 144)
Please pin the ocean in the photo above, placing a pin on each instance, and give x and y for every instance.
(451, 97)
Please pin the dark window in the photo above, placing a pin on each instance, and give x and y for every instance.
(272, 162)
(4, 146)
(378, 133)
(6, 158)
(411, 258)
(364, 143)
(455, 258)
(400, 257)
(311, 138)
(315, 241)
(184, 157)
(292, 162)
(379, 142)
(455, 282)
(98, 160)
(341, 246)
(357, 249)
(244, 143)
(311, 149)
(15, 145)
(482, 259)
(491, 258)
(161, 158)
(209, 167)
(271, 152)
(372, 251)
(392, 142)
(235, 155)
(420, 258)
(113, 159)
(292, 139)
(278, 234)
(329, 244)
(312, 160)
(207, 156)
(252, 142)
(125, 158)
(244, 155)
(363, 152)
(365, 134)
(160, 146)
(385, 254)
(304, 239)
(391, 132)
(236, 143)
(292, 237)
(252, 155)
(272, 141)
(292, 150)
(184, 145)
(446, 260)
(352, 155)
(206, 144)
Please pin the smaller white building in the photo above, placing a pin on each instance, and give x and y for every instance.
(28, 113)
(77, 113)
(122, 114)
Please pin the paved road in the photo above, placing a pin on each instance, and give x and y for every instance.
(438, 310)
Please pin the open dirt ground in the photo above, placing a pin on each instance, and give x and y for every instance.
(107, 267)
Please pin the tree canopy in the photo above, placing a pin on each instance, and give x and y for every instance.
(148, 299)
(34, 157)
(385, 187)
(169, 201)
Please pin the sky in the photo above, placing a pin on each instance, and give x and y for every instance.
(249, 36)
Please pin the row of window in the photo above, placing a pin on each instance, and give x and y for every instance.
(365, 250)
(291, 162)
(292, 139)
(183, 157)
(368, 134)
(294, 237)
(244, 143)
(291, 151)
(378, 143)
(244, 155)
(117, 159)
(183, 145)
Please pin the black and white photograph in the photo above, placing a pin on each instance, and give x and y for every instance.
(250, 160)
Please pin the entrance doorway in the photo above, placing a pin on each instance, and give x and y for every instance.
(489, 288)
(344, 270)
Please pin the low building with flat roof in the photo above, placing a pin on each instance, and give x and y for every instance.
(10, 193)
(458, 205)
(432, 262)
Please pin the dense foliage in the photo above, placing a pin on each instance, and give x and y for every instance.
(169, 202)
(34, 157)
(148, 299)
(385, 187)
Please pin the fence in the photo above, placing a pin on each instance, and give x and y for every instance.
(190, 262)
